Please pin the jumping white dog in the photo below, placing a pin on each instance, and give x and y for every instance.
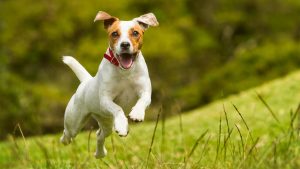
(122, 83)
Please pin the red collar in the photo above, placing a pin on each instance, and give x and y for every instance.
(111, 58)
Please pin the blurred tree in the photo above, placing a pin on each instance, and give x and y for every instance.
(203, 50)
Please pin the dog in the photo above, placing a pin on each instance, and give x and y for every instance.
(122, 83)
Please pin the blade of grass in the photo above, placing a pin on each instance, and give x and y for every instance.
(249, 153)
(194, 147)
(241, 116)
(242, 140)
(21, 132)
(228, 128)
(203, 151)
(226, 138)
(267, 106)
(219, 140)
(26, 150)
(291, 126)
(244, 121)
(152, 140)
(23, 137)
(294, 117)
(253, 146)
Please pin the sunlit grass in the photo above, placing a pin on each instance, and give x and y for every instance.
(258, 128)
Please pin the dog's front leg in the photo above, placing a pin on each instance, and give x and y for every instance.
(137, 113)
(120, 120)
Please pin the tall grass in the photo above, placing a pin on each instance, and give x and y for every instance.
(231, 146)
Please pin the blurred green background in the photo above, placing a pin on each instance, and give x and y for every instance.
(202, 51)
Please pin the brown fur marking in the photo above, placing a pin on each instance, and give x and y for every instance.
(115, 27)
(137, 42)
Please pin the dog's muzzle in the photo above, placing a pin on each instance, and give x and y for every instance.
(126, 59)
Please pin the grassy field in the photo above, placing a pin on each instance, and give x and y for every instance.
(258, 128)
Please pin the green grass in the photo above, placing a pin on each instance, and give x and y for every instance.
(258, 128)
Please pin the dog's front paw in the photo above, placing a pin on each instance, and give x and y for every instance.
(121, 125)
(137, 114)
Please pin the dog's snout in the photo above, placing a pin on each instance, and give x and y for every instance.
(125, 45)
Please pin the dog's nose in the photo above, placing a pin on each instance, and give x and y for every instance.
(125, 45)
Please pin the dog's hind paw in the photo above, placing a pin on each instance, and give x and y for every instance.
(65, 140)
(101, 154)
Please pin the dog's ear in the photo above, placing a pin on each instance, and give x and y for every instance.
(107, 18)
(147, 20)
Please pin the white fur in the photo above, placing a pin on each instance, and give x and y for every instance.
(107, 97)
(124, 28)
(77, 68)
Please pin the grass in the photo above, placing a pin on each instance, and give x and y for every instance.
(258, 128)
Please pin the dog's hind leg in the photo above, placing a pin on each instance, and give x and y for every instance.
(75, 117)
(100, 149)
(102, 133)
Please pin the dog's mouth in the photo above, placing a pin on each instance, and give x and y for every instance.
(126, 60)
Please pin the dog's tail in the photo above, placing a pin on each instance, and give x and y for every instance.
(77, 68)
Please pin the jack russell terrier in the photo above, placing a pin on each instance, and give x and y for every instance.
(122, 83)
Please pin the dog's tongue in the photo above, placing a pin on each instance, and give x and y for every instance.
(126, 61)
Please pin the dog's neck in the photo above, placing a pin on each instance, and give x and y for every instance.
(110, 56)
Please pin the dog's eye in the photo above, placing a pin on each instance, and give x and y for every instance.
(135, 33)
(115, 34)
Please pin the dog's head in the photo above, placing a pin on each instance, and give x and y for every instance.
(126, 37)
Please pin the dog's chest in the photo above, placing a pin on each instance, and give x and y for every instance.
(126, 94)
(123, 87)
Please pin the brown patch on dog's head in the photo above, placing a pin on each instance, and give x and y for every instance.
(114, 33)
(135, 35)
